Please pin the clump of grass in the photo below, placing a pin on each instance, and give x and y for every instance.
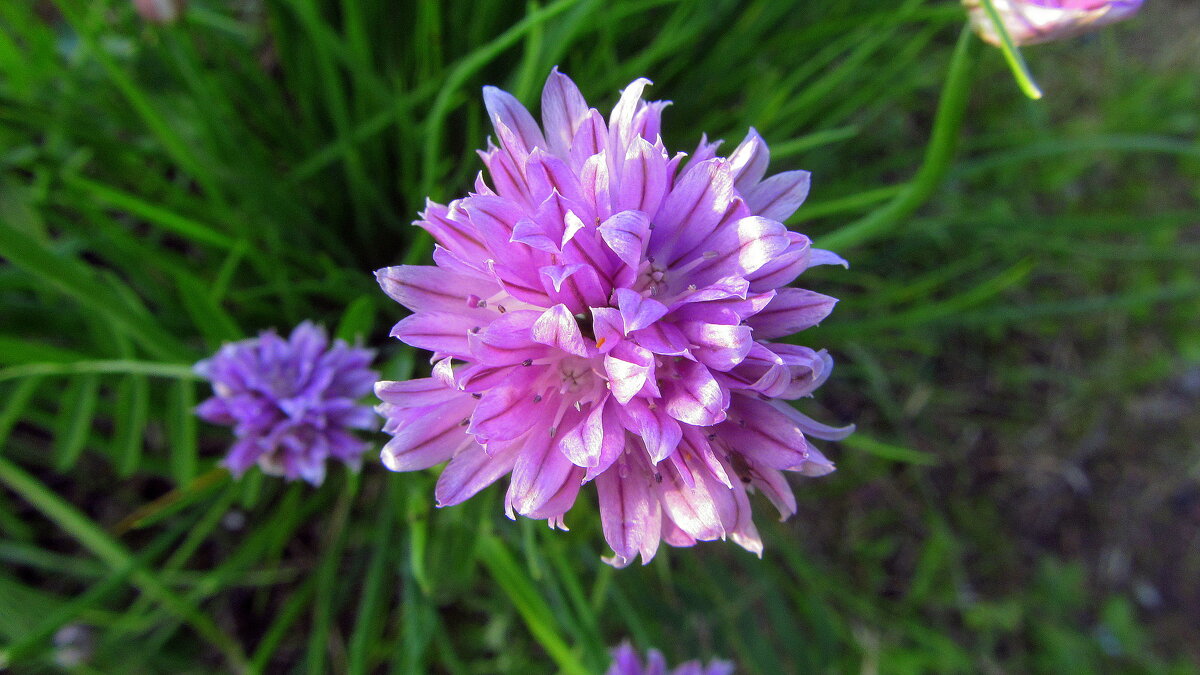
(1023, 288)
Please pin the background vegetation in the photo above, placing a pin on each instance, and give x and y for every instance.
(1021, 353)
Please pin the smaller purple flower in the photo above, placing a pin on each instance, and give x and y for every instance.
(1033, 21)
(292, 403)
(160, 11)
(627, 662)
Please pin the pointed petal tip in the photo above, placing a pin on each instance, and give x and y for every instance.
(617, 561)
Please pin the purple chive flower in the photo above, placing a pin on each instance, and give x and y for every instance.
(627, 662)
(1034, 21)
(291, 403)
(600, 313)
(160, 11)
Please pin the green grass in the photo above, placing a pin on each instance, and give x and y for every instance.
(1017, 338)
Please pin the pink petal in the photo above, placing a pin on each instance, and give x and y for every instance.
(817, 465)
(470, 471)
(505, 173)
(534, 234)
(647, 121)
(508, 340)
(563, 110)
(439, 332)
(638, 311)
(448, 227)
(502, 106)
(693, 208)
(694, 397)
(608, 327)
(673, 535)
(620, 122)
(424, 288)
(704, 152)
(540, 471)
(629, 369)
(692, 508)
(575, 285)
(508, 411)
(773, 484)
(761, 432)
(785, 267)
(662, 338)
(431, 437)
(557, 327)
(822, 257)
(557, 274)
(626, 233)
(718, 346)
(555, 507)
(629, 511)
(730, 311)
(810, 426)
(779, 196)
(417, 393)
(595, 442)
(657, 430)
(644, 178)
(594, 179)
(741, 248)
(748, 161)
(743, 533)
(791, 311)
(733, 286)
(590, 138)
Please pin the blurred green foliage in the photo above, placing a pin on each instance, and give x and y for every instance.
(1004, 350)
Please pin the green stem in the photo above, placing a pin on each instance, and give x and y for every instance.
(177, 371)
(944, 140)
(1012, 55)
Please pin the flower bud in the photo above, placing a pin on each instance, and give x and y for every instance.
(159, 11)
(1034, 21)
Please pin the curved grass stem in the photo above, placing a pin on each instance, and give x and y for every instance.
(943, 142)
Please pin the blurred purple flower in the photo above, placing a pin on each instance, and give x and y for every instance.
(160, 11)
(292, 403)
(626, 662)
(603, 314)
(1033, 21)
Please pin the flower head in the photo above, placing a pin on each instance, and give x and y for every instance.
(292, 403)
(160, 11)
(600, 313)
(1033, 21)
(626, 662)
